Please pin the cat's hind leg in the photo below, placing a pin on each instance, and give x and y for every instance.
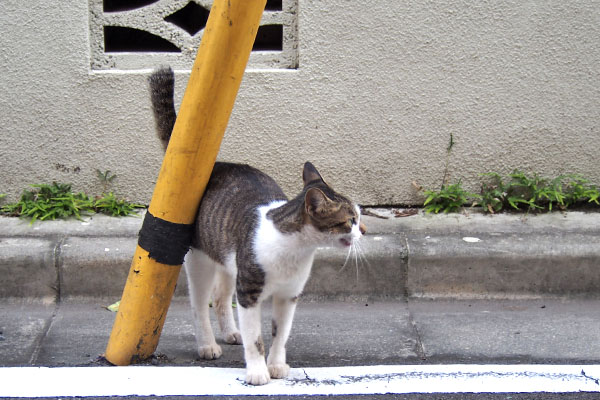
(200, 270)
(222, 302)
(283, 314)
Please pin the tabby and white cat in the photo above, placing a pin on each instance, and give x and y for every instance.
(249, 239)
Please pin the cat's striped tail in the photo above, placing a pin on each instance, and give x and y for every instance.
(162, 86)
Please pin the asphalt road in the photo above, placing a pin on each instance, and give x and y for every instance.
(421, 333)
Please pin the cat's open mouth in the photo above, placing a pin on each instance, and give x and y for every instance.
(346, 242)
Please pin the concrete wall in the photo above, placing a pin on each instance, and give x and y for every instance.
(380, 87)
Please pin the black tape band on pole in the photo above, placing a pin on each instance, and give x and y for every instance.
(166, 242)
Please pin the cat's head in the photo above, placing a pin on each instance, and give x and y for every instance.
(335, 218)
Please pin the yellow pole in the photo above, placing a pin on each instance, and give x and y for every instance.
(207, 103)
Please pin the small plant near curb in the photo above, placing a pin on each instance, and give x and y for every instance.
(105, 178)
(109, 204)
(521, 192)
(534, 193)
(450, 198)
(579, 190)
(55, 201)
(49, 202)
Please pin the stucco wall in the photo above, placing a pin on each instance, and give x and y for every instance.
(380, 87)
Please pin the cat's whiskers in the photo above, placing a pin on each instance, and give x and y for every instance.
(356, 254)
(360, 258)
(346, 260)
(361, 254)
(356, 258)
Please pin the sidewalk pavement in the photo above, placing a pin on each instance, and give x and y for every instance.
(427, 289)
(329, 333)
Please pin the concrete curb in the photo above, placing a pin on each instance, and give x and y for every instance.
(431, 256)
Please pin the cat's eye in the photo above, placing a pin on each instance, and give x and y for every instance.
(345, 224)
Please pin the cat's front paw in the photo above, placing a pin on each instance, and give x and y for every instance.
(210, 352)
(257, 376)
(278, 371)
(233, 338)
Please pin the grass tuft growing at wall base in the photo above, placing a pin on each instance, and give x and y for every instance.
(519, 192)
(57, 201)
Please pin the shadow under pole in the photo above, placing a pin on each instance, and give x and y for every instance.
(168, 225)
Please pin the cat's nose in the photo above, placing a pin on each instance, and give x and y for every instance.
(362, 228)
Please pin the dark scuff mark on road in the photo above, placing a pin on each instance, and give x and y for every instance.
(595, 380)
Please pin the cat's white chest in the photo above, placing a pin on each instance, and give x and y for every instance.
(285, 258)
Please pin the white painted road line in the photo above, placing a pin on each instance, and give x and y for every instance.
(393, 379)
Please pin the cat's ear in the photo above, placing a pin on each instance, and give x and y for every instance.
(315, 202)
(310, 174)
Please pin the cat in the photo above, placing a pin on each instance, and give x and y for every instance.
(249, 239)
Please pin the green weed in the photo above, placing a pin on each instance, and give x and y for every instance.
(579, 190)
(492, 196)
(533, 193)
(105, 178)
(451, 144)
(449, 199)
(519, 192)
(48, 202)
(57, 201)
(110, 205)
